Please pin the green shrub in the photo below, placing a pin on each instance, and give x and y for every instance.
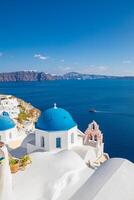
(22, 116)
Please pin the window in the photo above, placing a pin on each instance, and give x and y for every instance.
(91, 138)
(42, 141)
(58, 142)
(72, 138)
(95, 137)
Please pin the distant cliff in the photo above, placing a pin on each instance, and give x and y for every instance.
(42, 76)
(25, 76)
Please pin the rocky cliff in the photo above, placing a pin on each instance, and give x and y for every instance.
(25, 76)
(42, 76)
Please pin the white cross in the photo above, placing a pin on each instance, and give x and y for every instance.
(55, 105)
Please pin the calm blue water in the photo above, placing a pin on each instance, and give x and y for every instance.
(114, 98)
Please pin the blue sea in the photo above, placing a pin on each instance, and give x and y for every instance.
(113, 99)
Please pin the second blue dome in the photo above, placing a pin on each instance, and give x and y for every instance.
(55, 119)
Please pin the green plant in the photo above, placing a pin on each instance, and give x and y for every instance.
(13, 161)
(22, 116)
(25, 160)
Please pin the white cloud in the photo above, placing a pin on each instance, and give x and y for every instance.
(62, 60)
(1, 54)
(126, 61)
(41, 57)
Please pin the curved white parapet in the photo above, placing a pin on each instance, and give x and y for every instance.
(51, 176)
(5, 176)
(112, 180)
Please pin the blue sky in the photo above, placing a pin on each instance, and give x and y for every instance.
(58, 36)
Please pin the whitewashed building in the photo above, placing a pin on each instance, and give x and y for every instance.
(28, 127)
(56, 130)
(9, 104)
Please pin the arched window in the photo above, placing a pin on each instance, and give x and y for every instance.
(91, 137)
(93, 126)
(58, 142)
(95, 137)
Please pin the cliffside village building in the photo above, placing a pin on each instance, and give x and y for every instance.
(10, 105)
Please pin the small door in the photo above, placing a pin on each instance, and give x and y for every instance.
(42, 141)
(58, 142)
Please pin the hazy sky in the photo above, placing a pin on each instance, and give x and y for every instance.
(58, 36)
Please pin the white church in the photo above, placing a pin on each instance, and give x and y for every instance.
(56, 130)
(8, 130)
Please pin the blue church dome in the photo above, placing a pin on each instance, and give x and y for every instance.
(6, 122)
(55, 119)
